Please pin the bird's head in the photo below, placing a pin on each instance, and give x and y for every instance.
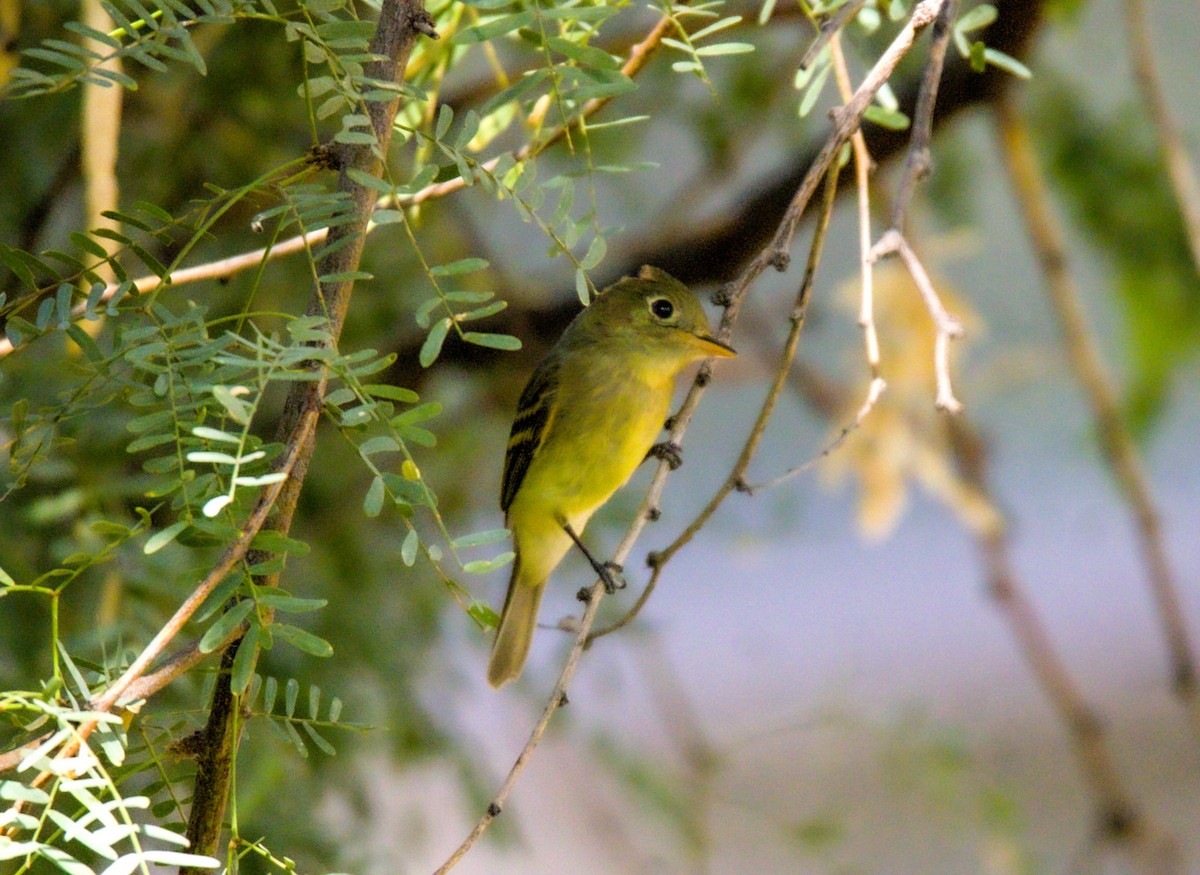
(657, 314)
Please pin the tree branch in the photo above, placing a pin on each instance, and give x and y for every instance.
(1116, 443)
(1179, 167)
(399, 24)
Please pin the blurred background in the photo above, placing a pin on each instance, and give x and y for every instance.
(823, 681)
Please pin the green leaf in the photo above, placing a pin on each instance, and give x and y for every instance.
(408, 550)
(373, 503)
(444, 118)
(494, 341)
(45, 313)
(303, 640)
(893, 120)
(260, 480)
(161, 538)
(484, 615)
(491, 29)
(214, 434)
(730, 21)
(387, 217)
(1007, 63)
(227, 397)
(420, 413)
(395, 393)
(243, 662)
(478, 539)
(85, 343)
(288, 604)
(725, 49)
(433, 343)
(483, 312)
(483, 566)
(271, 541)
(380, 444)
(463, 265)
(15, 791)
(974, 19)
(595, 253)
(588, 56)
(320, 742)
(227, 622)
(814, 90)
(582, 287)
(212, 457)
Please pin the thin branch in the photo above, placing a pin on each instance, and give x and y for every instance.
(919, 162)
(916, 167)
(735, 479)
(1119, 820)
(830, 27)
(866, 265)
(874, 391)
(1179, 166)
(946, 325)
(1116, 443)
(776, 254)
(558, 698)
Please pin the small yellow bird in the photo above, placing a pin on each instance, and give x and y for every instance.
(587, 418)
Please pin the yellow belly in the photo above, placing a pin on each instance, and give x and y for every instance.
(585, 457)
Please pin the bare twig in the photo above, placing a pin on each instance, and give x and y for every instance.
(1179, 166)
(915, 167)
(558, 698)
(1119, 820)
(830, 27)
(947, 326)
(775, 254)
(918, 163)
(1116, 443)
(866, 265)
(874, 391)
(735, 479)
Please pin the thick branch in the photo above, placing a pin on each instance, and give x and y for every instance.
(400, 22)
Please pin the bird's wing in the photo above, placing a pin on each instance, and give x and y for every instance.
(535, 412)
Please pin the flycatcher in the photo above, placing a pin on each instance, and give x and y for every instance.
(585, 421)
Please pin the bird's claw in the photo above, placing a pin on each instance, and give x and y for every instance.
(613, 576)
(669, 452)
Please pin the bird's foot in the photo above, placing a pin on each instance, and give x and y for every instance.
(613, 576)
(669, 452)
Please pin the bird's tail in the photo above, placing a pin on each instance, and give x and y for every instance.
(517, 622)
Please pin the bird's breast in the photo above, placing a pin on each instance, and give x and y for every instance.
(601, 432)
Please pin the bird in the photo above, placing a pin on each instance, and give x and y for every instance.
(587, 418)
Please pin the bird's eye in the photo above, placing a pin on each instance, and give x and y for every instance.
(662, 308)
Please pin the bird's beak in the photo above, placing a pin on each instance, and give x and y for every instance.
(710, 346)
